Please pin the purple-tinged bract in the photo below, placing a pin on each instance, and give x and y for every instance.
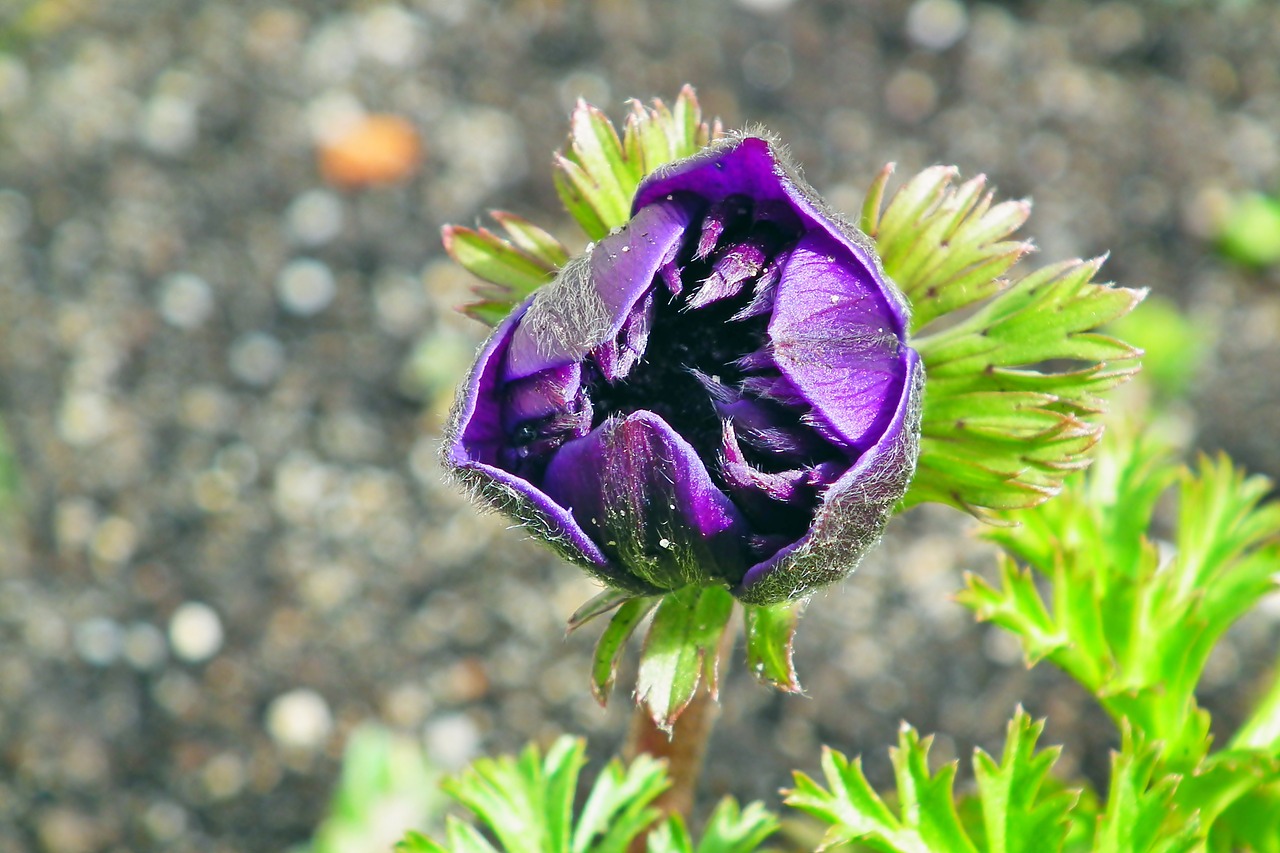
(719, 392)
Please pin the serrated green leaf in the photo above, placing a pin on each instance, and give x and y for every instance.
(851, 808)
(681, 650)
(1017, 607)
(1138, 817)
(1133, 624)
(927, 823)
(465, 838)
(604, 663)
(559, 777)
(527, 803)
(770, 637)
(619, 807)
(603, 176)
(574, 187)
(670, 836)
(927, 799)
(1016, 816)
(728, 830)
(943, 245)
(1220, 520)
(521, 800)
(998, 432)
(1250, 823)
(1223, 779)
(732, 829)
(1261, 730)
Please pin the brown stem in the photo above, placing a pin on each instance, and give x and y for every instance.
(683, 750)
(686, 746)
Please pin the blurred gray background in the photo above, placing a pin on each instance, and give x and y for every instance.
(227, 343)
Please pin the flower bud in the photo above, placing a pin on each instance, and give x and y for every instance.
(718, 393)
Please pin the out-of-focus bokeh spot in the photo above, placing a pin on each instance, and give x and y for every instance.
(375, 149)
(1251, 230)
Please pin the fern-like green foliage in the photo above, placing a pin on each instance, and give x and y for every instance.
(1135, 623)
(1019, 812)
(730, 829)
(527, 805)
(1016, 807)
(1140, 816)
(1000, 430)
(1131, 623)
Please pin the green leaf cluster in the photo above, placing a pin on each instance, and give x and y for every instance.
(1017, 808)
(511, 267)
(599, 171)
(1013, 390)
(527, 805)
(1083, 584)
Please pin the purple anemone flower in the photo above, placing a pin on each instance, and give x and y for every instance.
(719, 392)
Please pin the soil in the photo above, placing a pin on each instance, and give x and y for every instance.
(223, 378)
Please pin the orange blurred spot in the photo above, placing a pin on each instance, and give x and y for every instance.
(380, 149)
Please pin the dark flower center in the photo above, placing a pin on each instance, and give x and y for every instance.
(686, 347)
(695, 351)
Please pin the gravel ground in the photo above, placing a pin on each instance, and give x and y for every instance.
(223, 376)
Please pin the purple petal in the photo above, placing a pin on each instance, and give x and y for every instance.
(784, 486)
(833, 339)
(766, 287)
(788, 486)
(474, 441)
(595, 294)
(772, 431)
(730, 273)
(761, 359)
(719, 216)
(617, 356)
(641, 490)
(854, 509)
(541, 395)
(749, 166)
(776, 387)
